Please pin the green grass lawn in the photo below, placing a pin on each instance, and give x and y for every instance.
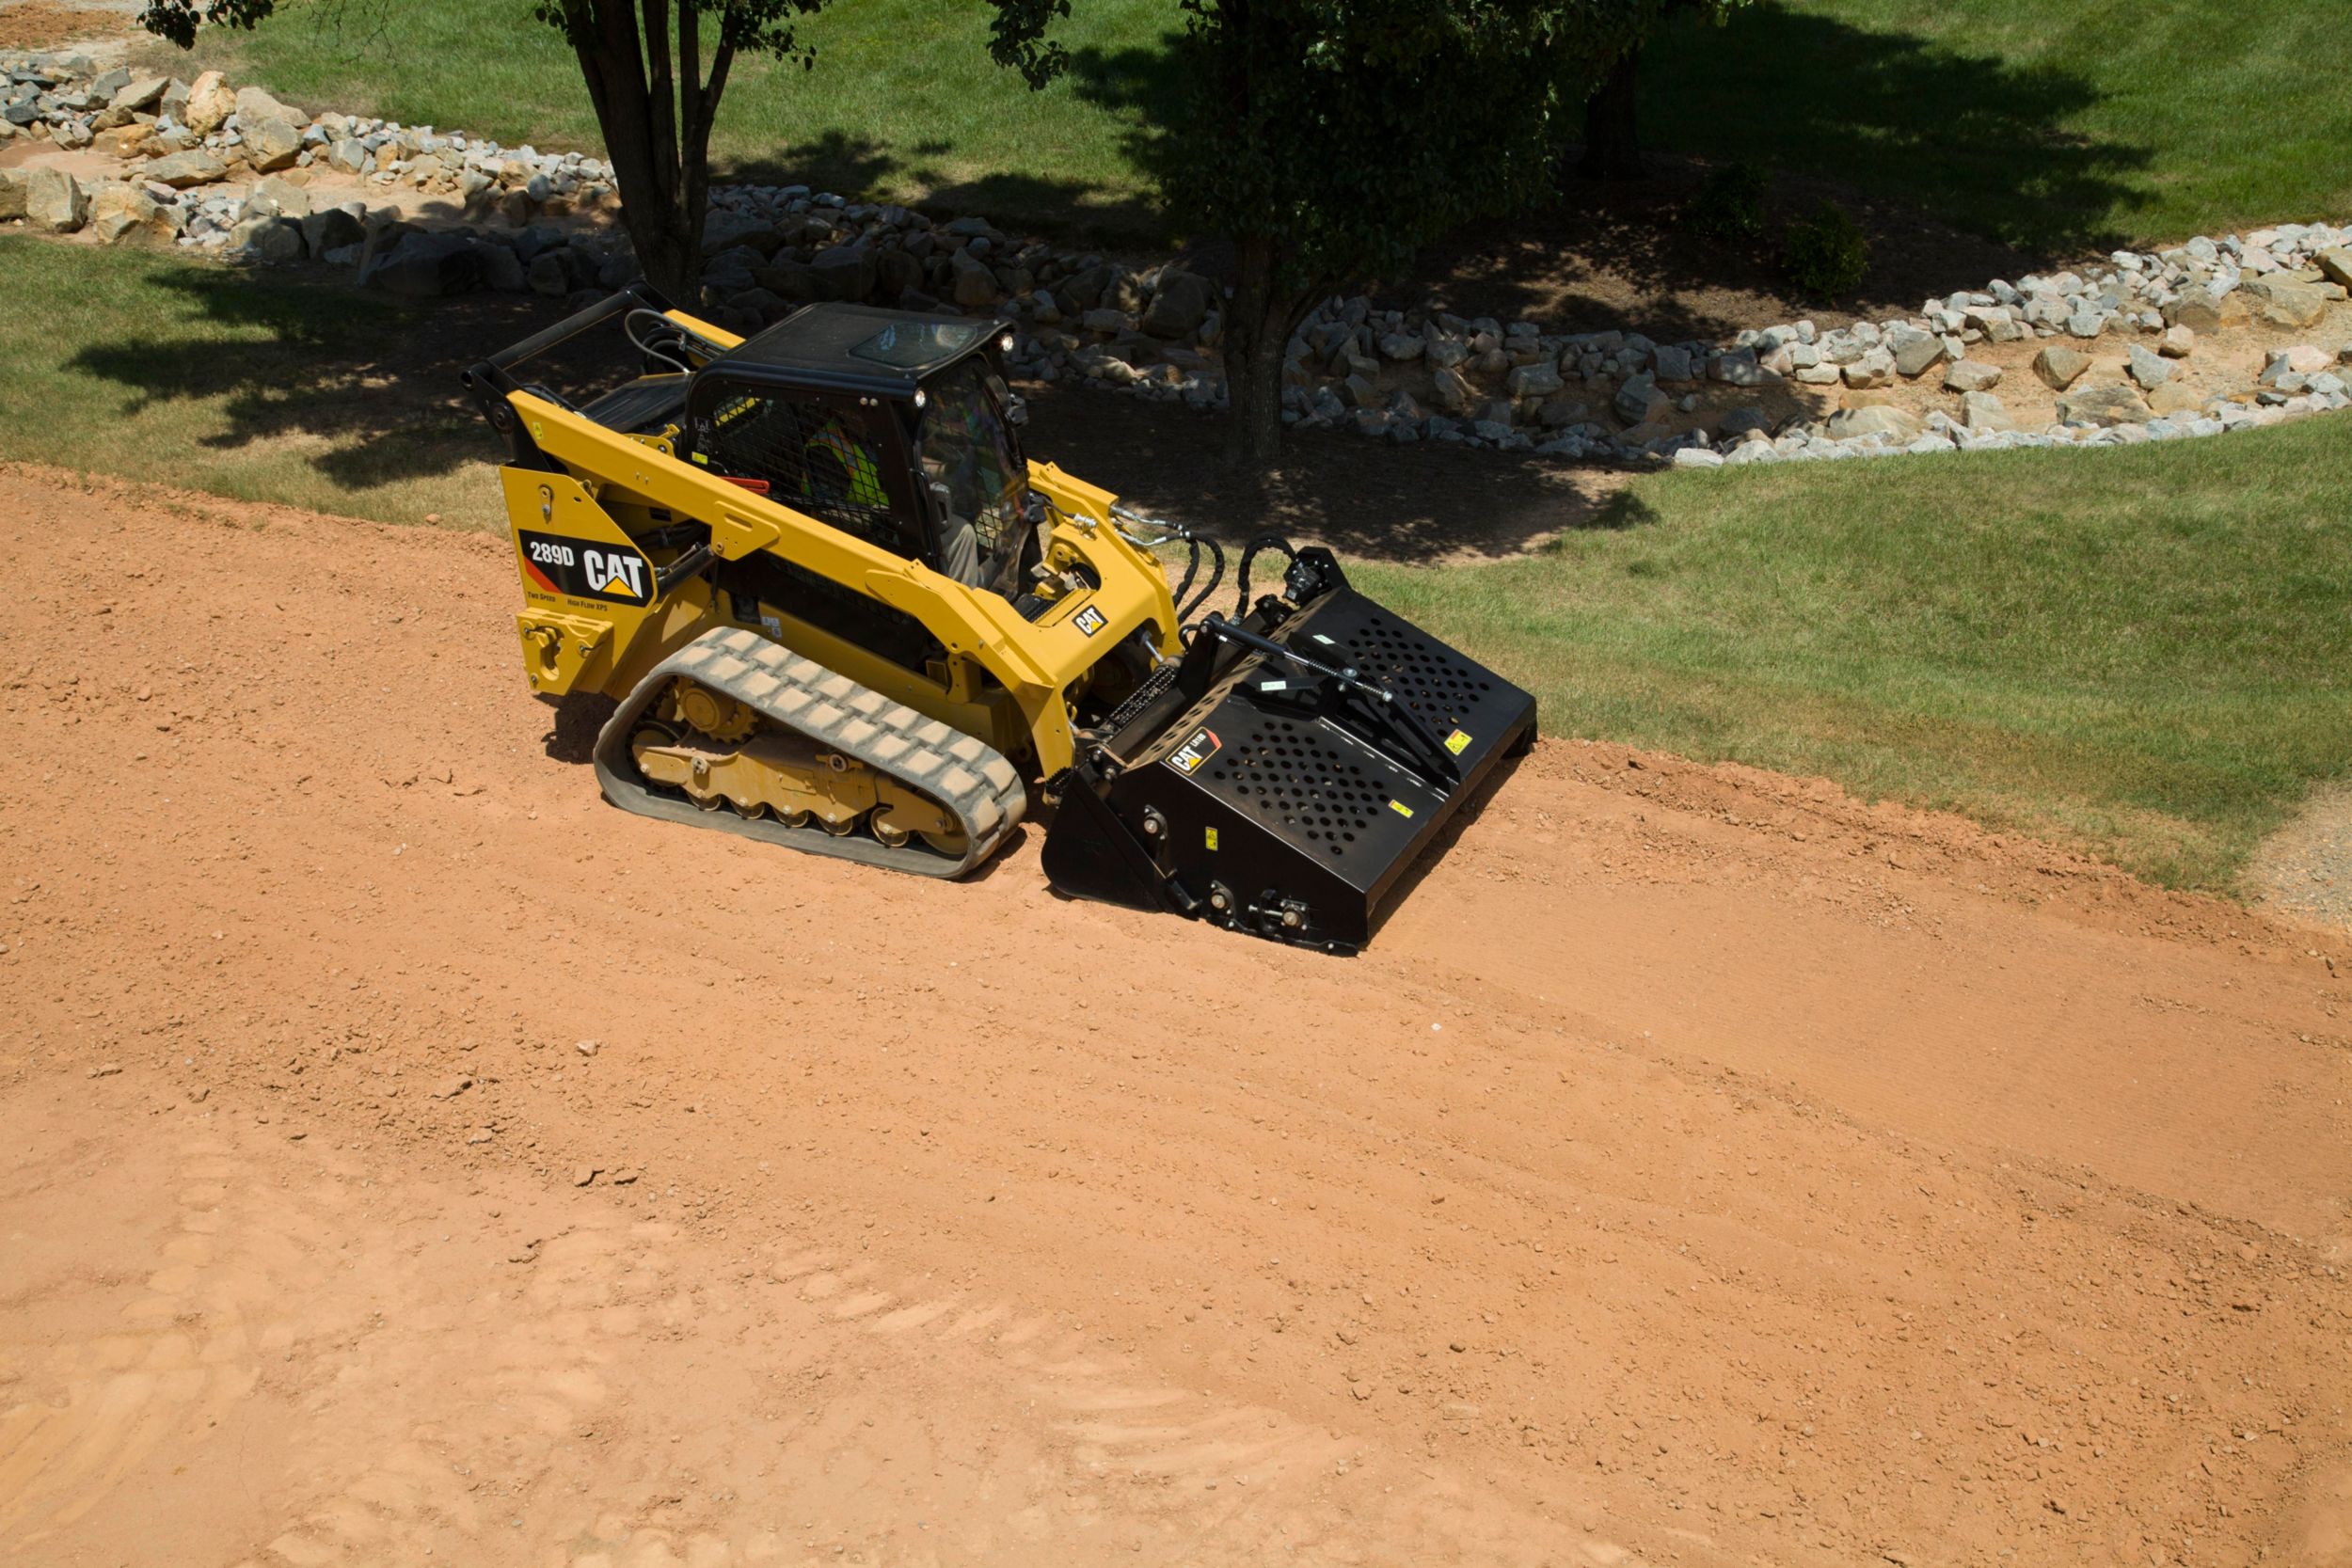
(2045, 125)
(2148, 652)
(2042, 125)
(903, 103)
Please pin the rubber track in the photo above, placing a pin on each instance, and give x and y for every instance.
(962, 772)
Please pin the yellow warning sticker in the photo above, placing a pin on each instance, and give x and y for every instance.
(1457, 742)
(1211, 838)
(1400, 808)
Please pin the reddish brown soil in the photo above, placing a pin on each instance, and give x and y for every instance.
(41, 24)
(1701, 1168)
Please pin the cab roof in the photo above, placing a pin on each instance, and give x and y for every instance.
(858, 348)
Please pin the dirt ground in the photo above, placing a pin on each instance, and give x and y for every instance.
(407, 1158)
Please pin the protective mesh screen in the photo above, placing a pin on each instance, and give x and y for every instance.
(810, 458)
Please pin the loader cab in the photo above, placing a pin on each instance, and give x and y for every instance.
(894, 427)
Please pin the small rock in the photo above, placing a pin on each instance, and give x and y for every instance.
(2283, 302)
(449, 1088)
(2176, 342)
(1983, 412)
(1971, 375)
(1874, 420)
(2149, 369)
(583, 1176)
(586, 1048)
(2106, 406)
(2335, 264)
(2060, 368)
(1538, 380)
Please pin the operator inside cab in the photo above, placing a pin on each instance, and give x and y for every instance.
(968, 460)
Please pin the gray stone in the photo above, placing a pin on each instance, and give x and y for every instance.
(1674, 363)
(254, 106)
(1874, 420)
(126, 212)
(2085, 323)
(1639, 401)
(2283, 302)
(546, 276)
(1180, 305)
(2149, 369)
(1971, 375)
(424, 265)
(1916, 353)
(2335, 264)
(975, 285)
(2176, 342)
(2112, 403)
(141, 95)
(1538, 380)
(196, 167)
(324, 232)
(277, 198)
(1697, 457)
(54, 201)
(11, 194)
(268, 239)
(273, 144)
(1454, 392)
(348, 156)
(1736, 368)
(847, 270)
(1982, 411)
(2060, 368)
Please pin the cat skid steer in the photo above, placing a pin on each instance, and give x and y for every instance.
(841, 611)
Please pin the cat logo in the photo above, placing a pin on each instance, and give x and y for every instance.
(1088, 620)
(618, 573)
(1187, 760)
(584, 568)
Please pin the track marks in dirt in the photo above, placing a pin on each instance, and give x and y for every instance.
(177, 1359)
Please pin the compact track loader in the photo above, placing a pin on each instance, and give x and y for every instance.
(841, 611)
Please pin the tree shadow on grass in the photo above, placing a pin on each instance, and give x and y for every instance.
(311, 360)
(1982, 142)
(1072, 210)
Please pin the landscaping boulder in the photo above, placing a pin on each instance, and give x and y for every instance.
(121, 214)
(424, 265)
(1538, 380)
(1874, 420)
(2335, 264)
(325, 232)
(2111, 403)
(1982, 413)
(277, 198)
(140, 96)
(11, 194)
(546, 276)
(210, 104)
(54, 201)
(273, 144)
(1454, 393)
(267, 239)
(255, 107)
(1971, 375)
(2172, 398)
(2203, 310)
(1674, 363)
(2149, 369)
(795, 282)
(846, 272)
(2060, 368)
(349, 155)
(1180, 306)
(1915, 352)
(975, 286)
(196, 167)
(2283, 302)
(122, 142)
(1638, 402)
(2176, 342)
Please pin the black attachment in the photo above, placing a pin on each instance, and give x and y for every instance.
(1287, 777)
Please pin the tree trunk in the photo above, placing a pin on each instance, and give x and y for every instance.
(1256, 329)
(660, 154)
(1612, 142)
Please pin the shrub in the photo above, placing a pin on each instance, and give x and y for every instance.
(1826, 253)
(1729, 206)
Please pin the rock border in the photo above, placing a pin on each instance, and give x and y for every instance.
(1153, 331)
